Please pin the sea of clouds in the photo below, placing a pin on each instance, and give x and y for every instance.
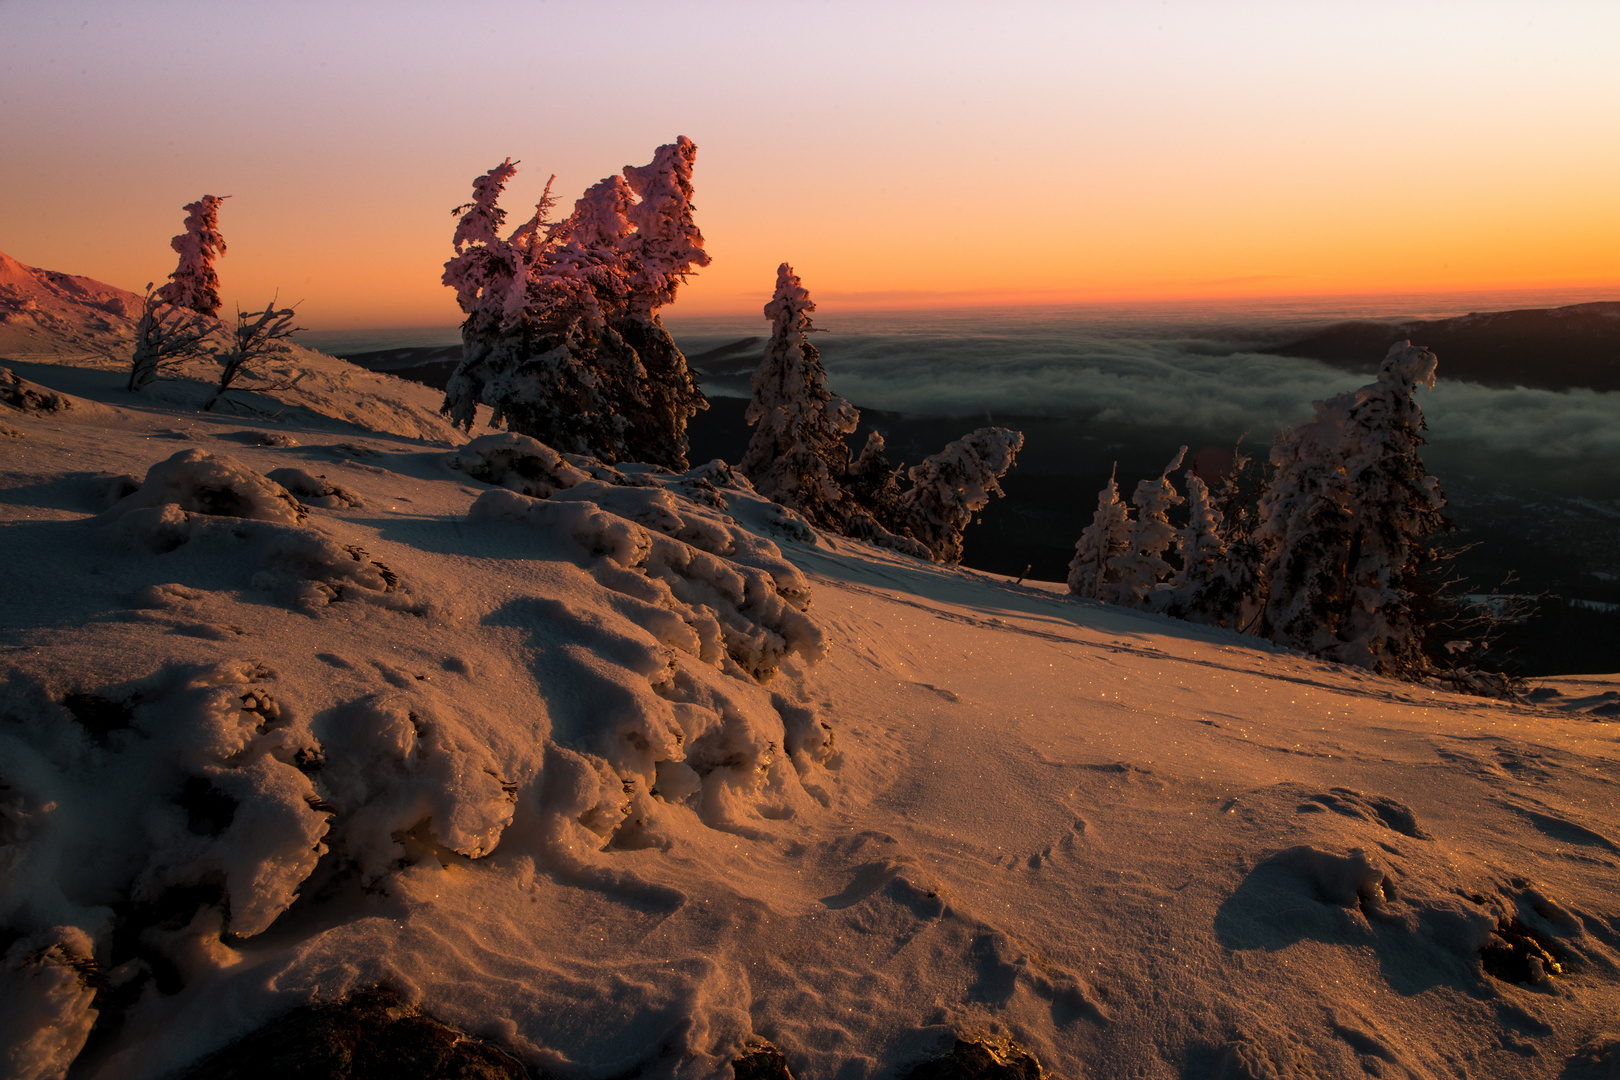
(1186, 369)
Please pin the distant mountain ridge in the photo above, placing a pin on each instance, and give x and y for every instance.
(1543, 348)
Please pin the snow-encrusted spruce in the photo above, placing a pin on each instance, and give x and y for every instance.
(195, 283)
(663, 248)
(1396, 512)
(1100, 542)
(872, 487)
(1199, 587)
(1304, 525)
(1142, 566)
(561, 339)
(797, 452)
(948, 488)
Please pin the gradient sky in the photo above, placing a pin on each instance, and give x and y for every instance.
(932, 153)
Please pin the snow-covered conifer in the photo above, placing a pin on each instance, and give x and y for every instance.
(1142, 565)
(195, 283)
(1396, 512)
(1348, 523)
(1200, 587)
(1100, 542)
(666, 243)
(664, 246)
(1304, 526)
(557, 340)
(948, 488)
(797, 454)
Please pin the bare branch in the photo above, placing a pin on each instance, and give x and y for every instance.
(256, 336)
(166, 337)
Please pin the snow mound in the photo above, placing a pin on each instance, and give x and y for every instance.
(45, 983)
(30, 397)
(517, 463)
(314, 490)
(225, 508)
(198, 482)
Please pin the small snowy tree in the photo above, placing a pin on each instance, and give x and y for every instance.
(1142, 566)
(872, 489)
(797, 452)
(194, 285)
(950, 487)
(1104, 540)
(166, 337)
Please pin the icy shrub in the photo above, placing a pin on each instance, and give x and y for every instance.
(26, 396)
(226, 510)
(208, 754)
(517, 463)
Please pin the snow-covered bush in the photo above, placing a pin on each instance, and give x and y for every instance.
(797, 452)
(225, 509)
(517, 463)
(314, 490)
(1141, 567)
(562, 339)
(195, 283)
(1106, 538)
(949, 487)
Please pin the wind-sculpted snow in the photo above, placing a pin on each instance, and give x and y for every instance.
(297, 713)
(697, 616)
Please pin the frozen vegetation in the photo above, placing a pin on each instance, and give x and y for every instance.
(624, 769)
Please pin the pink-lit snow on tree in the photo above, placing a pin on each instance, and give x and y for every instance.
(195, 283)
(558, 340)
(1103, 540)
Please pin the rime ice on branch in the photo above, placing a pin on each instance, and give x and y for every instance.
(194, 283)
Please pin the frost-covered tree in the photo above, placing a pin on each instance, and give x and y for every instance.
(1396, 512)
(1304, 526)
(1349, 521)
(195, 283)
(872, 490)
(948, 488)
(797, 453)
(1104, 540)
(1142, 566)
(562, 339)
(662, 249)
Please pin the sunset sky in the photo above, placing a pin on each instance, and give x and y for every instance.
(898, 154)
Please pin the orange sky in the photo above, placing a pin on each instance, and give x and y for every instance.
(896, 153)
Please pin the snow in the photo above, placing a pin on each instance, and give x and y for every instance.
(626, 769)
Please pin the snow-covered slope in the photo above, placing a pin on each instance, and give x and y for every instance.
(625, 770)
